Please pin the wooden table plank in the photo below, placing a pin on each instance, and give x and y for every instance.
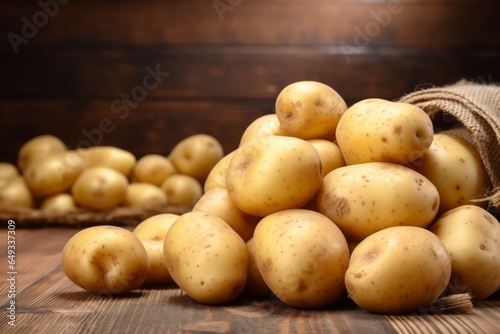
(48, 302)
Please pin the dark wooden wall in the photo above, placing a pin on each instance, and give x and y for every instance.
(220, 68)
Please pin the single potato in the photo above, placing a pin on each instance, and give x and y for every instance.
(472, 237)
(38, 147)
(59, 202)
(196, 155)
(206, 258)
(15, 193)
(109, 156)
(144, 195)
(330, 154)
(365, 198)
(273, 173)
(105, 260)
(266, 125)
(153, 168)
(309, 110)
(100, 188)
(454, 166)
(151, 232)
(302, 256)
(381, 130)
(182, 190)
(398, 270)
(54, 173)
(216, 201)
(7, 172)
(217, 176)
(256, 287)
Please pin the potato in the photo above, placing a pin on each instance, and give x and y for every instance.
(144, 195)
(206, 258)
(151, 232)
(109, 156)
(309, 110)
(14, 193)
(54, 173)
(153, 168)
(216, 201)
(380, 130)
(365, 198)
(59, 202)
(398, 270)
(7, 172)
(330, 154)
(273, 173)
(217, 176)
(100, 188)
(454, 166)
(38, 147)
(182, 190)
(472, 237)
(255, 287)
(265, 125)
(105, 260)
(302, 256)
(196, 155)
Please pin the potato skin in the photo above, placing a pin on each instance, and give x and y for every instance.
(472, 237)
(54, 173)
(151, 232)
(38, 147)
(206, 258)
(196, 155)
(100, 188)
(273, 173)
(455, 167)
(381, 130)
(217, 202)
(398, 270)
(109, 156)
(365, 198)
(302, 256)
(309, 110)
(105, 260)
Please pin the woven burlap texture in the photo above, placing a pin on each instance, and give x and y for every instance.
(476, 107)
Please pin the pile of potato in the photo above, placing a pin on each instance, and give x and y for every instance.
(318, 199)
(51, 177)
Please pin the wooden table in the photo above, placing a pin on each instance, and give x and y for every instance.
(47, 302)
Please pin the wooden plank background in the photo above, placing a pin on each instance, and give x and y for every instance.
(225, 66)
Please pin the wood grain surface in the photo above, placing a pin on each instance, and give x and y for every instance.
(47, 302)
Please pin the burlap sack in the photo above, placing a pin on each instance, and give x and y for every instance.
(475, 110)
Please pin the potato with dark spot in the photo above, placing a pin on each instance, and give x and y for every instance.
(472, 236)
(309, 110)
(206, 258)
(365, 198)
(105, 260)
(302, 256)
(455, 167)
(273, 173)
(381, 130)
(398, 270)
